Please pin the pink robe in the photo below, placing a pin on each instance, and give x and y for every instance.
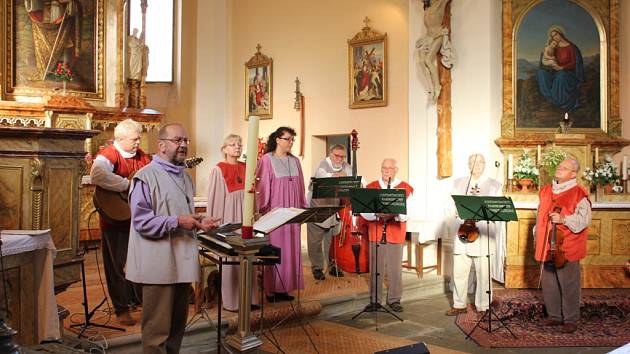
(228, 206)
(281, 185)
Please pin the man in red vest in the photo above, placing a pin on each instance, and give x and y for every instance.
(564, 204)
(112, 170)
(389, 253)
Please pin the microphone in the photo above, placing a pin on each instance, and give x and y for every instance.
(389, 183)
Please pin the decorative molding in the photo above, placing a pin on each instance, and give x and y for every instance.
(37, 191)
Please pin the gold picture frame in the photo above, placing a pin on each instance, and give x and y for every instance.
(38, 39)
(604, 15)
(367, 68)
(259, 86)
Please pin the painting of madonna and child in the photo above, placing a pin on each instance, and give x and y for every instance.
(558, 66)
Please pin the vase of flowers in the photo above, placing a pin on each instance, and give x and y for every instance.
(603, 178)
(526, 173)
(63, 74)
(551, 158)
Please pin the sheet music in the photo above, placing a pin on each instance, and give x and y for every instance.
(276, 218)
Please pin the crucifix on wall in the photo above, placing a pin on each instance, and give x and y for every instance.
(435, 57)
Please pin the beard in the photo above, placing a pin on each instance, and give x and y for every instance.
(179, 156)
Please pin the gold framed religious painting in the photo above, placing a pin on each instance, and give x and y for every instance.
(367, 68)
(51, 45)
(259, 86)
(561, 59)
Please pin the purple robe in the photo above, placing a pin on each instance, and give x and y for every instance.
(281, 185)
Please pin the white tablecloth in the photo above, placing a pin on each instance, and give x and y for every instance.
(38, 241)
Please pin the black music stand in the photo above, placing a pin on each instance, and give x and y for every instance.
(484, 208)
(387, 201)
(335, 188)
(86, 309)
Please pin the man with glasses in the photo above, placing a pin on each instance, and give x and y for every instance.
(565, 205)
(390, 250)
(163, 254)
(112, 169)
(319, 235)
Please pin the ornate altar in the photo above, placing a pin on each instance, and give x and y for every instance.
(538, 119)
(41, 170)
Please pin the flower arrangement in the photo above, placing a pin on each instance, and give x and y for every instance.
(605, 173)
(526, 169)
(62, 72)
(551, 159)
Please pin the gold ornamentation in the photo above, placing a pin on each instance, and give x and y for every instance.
(37, 190)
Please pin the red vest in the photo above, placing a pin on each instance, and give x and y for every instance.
(122, 166)
(574, 246)
(396, 230)
(234, 175)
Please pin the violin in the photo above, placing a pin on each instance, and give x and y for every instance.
(555, 254)
(468, 231)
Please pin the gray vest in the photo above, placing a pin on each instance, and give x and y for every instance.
(172, 258)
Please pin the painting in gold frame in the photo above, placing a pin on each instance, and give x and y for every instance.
(367, 69)
(604, 58)
(42, 36)
(259, 86)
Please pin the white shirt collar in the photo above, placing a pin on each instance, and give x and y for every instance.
(125, 154)
(558, 188)
(335, 169)
(393, 184)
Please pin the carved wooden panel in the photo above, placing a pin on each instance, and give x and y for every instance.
(593, 246)
(525, 236)
(11, 192)
(621, 237)
(21, 296)
(58, 202)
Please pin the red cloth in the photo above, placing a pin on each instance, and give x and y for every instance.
(574, 246)
(122, 166)
(565, 56)
(396, 230)
(234, 175)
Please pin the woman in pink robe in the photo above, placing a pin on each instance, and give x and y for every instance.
(281, 185)
(225, 201)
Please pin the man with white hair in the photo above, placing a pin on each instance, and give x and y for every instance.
(390, 250)
(112, 170)
(468, 252)
(565, 205)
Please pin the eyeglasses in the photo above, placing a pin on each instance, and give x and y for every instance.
(178, 141)
(339, 156)
(234, 145)
(388, 168)
(288, 138)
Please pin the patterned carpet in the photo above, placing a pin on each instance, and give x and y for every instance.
(605, 321)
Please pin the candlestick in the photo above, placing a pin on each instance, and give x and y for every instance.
(510, 166)
(250, 171)
(538, 155)
(596, 155)
(624, 168)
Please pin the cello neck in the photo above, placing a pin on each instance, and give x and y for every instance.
(354, 163)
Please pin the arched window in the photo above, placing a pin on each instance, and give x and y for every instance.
(159, 36)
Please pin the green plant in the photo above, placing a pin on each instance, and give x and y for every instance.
(551, 158)
(62, 73)
(525, 168)
(605, 173)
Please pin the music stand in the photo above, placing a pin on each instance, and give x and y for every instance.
(388, 201)
(484, 208)
(330, 190)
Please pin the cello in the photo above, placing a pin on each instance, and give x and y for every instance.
(351, 246)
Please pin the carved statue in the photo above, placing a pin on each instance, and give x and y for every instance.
(135, 52)
(435, 39)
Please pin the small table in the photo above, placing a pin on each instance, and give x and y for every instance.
(27, 256)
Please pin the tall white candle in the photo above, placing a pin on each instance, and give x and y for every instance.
(250, 170)
(510, 166)
(596, 155)
(538, 155)
(624, 168)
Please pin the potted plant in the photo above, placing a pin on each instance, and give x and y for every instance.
(551, 158)
(62, 73)
(526, 173)
(603, 177)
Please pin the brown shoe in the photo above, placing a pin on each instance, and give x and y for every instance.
(125, 319)
(453, 311)
(550, 322)
(569, 327)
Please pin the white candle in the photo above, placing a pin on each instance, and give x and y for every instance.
(596, 155)
(250, 170)
(624, 168)
(538, 155)
(510, 166)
